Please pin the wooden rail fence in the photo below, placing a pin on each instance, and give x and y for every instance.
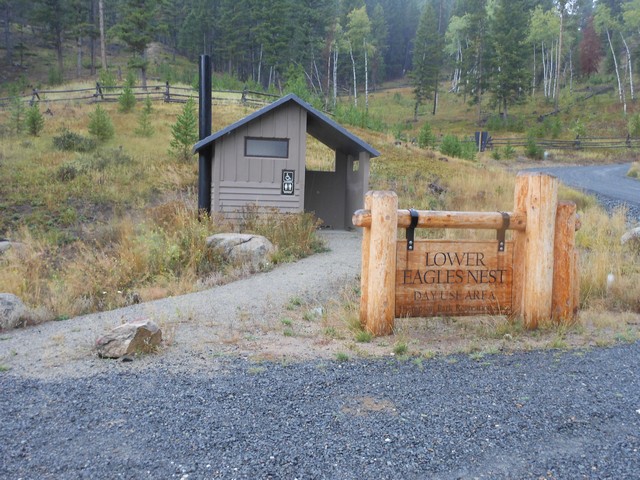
(534, 275)
(579, 143)
(158, 92)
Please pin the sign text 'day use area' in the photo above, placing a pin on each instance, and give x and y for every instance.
(453, 278)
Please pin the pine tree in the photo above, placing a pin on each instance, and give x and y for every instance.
(510, 59)
(427, 57)
(34, 120)
(145, 129)
(184, 132)
(17, 114)
(126, 100)
(100, 124)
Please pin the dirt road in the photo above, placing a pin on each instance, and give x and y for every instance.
(609, 182)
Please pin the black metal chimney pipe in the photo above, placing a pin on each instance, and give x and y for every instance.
(204, 165)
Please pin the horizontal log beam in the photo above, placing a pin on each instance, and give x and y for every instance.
(437, 219)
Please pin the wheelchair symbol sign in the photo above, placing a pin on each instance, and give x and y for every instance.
(288, 177)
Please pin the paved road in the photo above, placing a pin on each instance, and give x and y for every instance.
(608, 181)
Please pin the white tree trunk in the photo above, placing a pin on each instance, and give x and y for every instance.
(623, 100)
(552, 79)
(355, 86)
(533, 79)
(260, 66)
(629, 66)
(556, 93)
(544, 71)
(103, 48)
(335, 76)
(366, 78)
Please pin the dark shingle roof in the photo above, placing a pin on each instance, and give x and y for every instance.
(319, 126)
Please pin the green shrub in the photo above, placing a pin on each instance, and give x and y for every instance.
(552, 126)
(509, 152)
(398, 130)
(126, 100)
(54, 76)
(34, 120)
(103, 159)
(532, 150)
(426, 138)
(469, 150)
(495, 154)
(73, 142)
(633, 125)
(579, 129)
(357, 117)
(451, 146)
(100, 125)
(145, 129)
(500, 124)
(67, 172)
(107, 79)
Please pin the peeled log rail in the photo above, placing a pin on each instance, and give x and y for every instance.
(439, 219)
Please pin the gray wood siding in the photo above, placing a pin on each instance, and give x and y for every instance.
(240, 180)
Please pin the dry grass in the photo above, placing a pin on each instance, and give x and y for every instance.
(123, 227)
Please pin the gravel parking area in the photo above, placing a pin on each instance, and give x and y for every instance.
(550, 414)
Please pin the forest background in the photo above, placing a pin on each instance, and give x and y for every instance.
(505, 50)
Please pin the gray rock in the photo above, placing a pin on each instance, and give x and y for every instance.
(632, 235)
(8, 244)
(140, 336)
(12, 311)
(243, 247)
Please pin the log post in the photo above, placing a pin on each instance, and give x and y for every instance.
(381, 275)
(564, 306)
(364, 276)
(537, 195)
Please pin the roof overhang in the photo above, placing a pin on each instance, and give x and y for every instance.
(319, 126)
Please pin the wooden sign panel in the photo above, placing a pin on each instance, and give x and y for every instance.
(453, 278)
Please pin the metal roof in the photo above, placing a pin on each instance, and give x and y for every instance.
(319, 126)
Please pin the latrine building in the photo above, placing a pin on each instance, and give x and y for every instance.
(261, 160)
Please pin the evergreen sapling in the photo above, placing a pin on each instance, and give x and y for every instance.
(100, 124)
(34, 120)
(184, 132)
(145, 129)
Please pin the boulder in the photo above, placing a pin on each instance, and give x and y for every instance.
(8, 244)
(243, 248)
(632, 235)
(139, 336)
(12, 311)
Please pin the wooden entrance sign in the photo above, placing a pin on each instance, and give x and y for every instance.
(535, 275)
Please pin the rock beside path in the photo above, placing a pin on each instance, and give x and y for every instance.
(5, 245)
(12, 311)
(632, 235)
(243, 248)
(141, 336)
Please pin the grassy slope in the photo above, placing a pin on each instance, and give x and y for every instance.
(140, 206)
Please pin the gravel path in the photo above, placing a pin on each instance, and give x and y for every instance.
(201, 325)
(609, 183)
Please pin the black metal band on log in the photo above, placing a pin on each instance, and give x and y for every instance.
(415, 216)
